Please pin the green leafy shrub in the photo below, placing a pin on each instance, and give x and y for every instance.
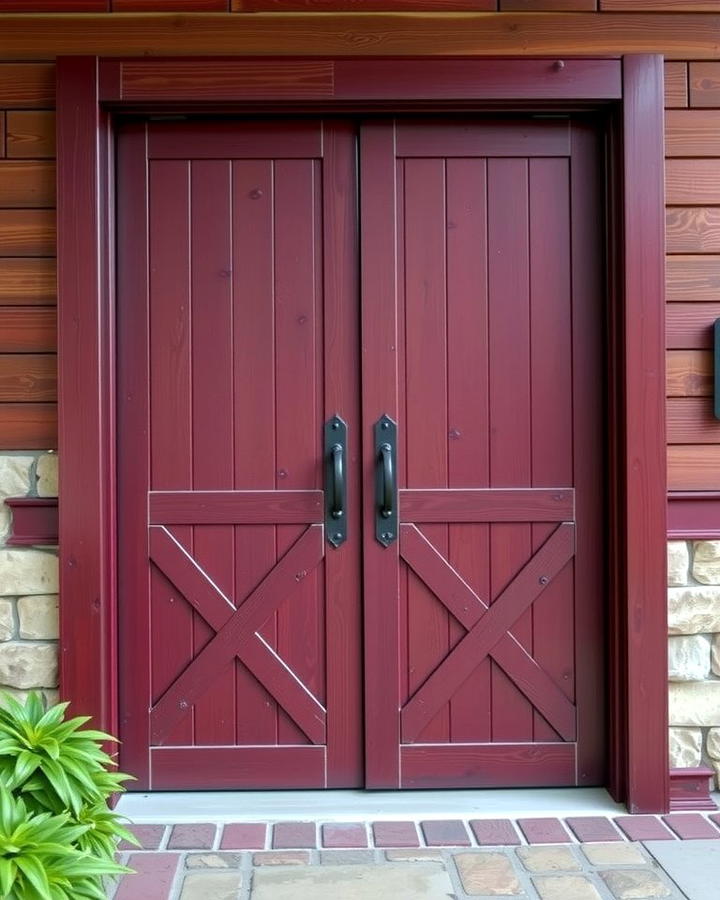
(57, 835)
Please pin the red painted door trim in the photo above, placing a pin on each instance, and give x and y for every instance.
(86, 317)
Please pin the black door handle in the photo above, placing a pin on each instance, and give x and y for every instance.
(388, 489)
(335, 465)
(338, 482)
(386, 492)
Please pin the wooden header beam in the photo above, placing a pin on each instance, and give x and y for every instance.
(679, 36)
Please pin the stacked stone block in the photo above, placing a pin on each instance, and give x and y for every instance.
(28, 585)
(694, 653)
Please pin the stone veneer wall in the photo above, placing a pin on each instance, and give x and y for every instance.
(694, 653)
(28, 585)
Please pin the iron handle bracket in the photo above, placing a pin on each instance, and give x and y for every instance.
(386, 492)
(335, 459)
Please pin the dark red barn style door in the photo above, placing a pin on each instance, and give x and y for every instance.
(462, 346)
(237, 340)
(482, 339)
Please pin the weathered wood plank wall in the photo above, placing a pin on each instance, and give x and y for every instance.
(27, 226)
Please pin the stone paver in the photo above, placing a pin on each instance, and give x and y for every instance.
(692, 826)
(487, 873)
(243, 836)
(494, 832)
(423, 881)
(148, 835)
(413, 855)
(343, 835)
(544, 831)
(593, 828)
(548, 859)
(445, 833)
(644, 828)
(213, 860)
(346, 857)
(613, 854)
(281, 858)
(215, 886)
(395, 834)
(294, 835)
(565, 887)
(634, 884)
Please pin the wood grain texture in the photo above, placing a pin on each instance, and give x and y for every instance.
(676, 84)
(689, 373)
(29, 329)
(680, 6)
(2, 135)
(30, 134)
(459, 766)
(689, 325)
(223, 507)
(704, 84)
(27, 282)
(548, 5)
(28, 378)
(487, 505)
(27, 184)
(28, 426)
(692, 181)
(680, 36)
(693, 467)
(690, 420)
(27, 85)
(692, 132)
(692, 278)
(168, 6)
(692, 229)
(363, 5)
(50, 6)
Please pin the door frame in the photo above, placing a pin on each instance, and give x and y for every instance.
(626, 91)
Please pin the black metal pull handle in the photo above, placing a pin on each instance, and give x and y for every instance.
(386, 492)
(337, 510)
(335, 466)
(388, 481)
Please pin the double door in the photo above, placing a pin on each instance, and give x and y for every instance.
(360, 453)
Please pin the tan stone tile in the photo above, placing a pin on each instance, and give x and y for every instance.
(414, 855)
(219, 886)
(487, 873)
(213, 860)
(422, 881)
(615, 853)
(565, 887)
(281, 858)
(633, 884)
(548, 859)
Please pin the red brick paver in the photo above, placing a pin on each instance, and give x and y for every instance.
(192, 837)
(344, 835)
(494, 832)
(644, 828)
(294, 835)
(243, 836)
(395, 834)
(445, 833)
(544, 831)
(148, 835)
(154, 878)
(593, 828)
(691, 826)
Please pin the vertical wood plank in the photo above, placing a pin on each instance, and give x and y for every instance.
(676, 84)
(133, 468)
(86, 433)
(171, 615)
(298, 331)
(468, 424)
(379, 397)
(342, 395)
(425, 387)
(589, 441)
(510, 462)
(551, 356)
(645, 472)
(254, 401)
(212, 413)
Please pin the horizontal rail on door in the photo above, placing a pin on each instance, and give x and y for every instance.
(488, 505)
(235, 507)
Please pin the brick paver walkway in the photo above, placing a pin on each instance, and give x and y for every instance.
(578, 858)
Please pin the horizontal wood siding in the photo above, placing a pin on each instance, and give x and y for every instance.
(692, 193)
(28, 362)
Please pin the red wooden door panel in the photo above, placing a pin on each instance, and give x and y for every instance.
(237, 338)
(482, 337)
